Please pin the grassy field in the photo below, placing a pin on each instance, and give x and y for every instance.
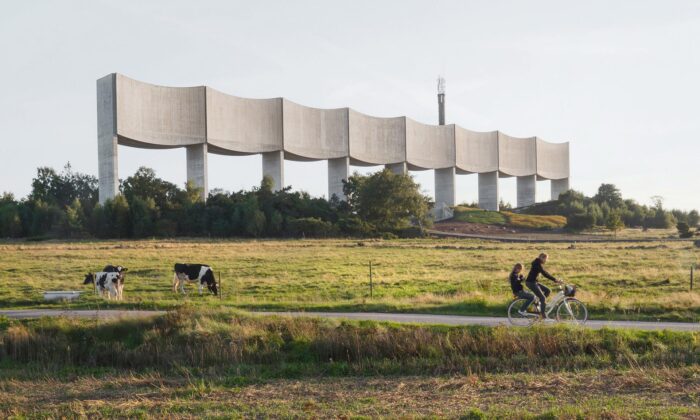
(505, 218)
(222, 364)
(616, 280)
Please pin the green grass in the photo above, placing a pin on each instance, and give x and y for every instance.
(632, 281)
(213, 364)
(526, 221)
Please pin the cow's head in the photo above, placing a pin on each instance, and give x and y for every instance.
(212, 288)
(89, 278)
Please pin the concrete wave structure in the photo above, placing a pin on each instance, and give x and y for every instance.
(204, 120)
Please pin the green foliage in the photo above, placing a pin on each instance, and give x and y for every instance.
(614, 222)
(388, 201)
(586, 212)
(310, 227)
(684, 230)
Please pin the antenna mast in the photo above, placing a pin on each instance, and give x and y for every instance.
(441, 100)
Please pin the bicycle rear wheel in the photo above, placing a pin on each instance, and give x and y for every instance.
(573, 311)
(515, 318)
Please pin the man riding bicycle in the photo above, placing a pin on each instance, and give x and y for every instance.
(540, 290)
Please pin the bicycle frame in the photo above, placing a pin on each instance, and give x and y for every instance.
(556, 301)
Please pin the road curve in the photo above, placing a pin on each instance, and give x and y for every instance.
(358, 316)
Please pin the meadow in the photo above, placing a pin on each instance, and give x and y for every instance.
(205, 363)
(210, 358)
(647, 280)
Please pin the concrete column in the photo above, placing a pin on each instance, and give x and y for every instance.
(197, 168)
(107, 156)
(338, 170)
(445, 186)
(527, 188)
(397, 168)
(273, 166)
(559, 186)
(488, 191)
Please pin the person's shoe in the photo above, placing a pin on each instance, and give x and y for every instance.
(522, 313)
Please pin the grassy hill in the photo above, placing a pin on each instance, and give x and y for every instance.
(505, 218)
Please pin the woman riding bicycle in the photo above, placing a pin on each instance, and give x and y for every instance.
(540, 290)
(516, 285)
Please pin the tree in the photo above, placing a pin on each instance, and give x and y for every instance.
(608, 193)
(693, 218)
(386, 200)
(614, 222)
(61, 189)
(74, 224)
(684, 230)
(144, 214)
(145, 184)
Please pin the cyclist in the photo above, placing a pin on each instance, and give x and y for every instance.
(541, 291)
(516, 285)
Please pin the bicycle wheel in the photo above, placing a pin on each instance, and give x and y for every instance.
(572, 310)
(514, 316)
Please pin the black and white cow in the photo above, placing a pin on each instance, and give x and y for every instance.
(108, 283)
(122, 275)
(202, 274)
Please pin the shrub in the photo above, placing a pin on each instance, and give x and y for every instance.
(684, 230)
(580, 221)
(311, 227)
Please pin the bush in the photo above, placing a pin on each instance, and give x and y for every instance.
(684, 230)
(580, 221)
(311, 227)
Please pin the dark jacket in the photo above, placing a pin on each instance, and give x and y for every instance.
(536, 270)
(516, 282)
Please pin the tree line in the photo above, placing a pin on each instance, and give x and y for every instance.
(65, 205)
(608, 209)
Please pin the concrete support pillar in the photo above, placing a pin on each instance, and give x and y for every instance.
(488, 191)
(197, 168)
(107, 156)
(559, 186)
(445, 186)
(338, 170)
(527, 188)
(273, 167)
(397, 168)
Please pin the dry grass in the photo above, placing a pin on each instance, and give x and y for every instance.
(653, 393)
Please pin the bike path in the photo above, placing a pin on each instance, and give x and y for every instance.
(359, 316)
(483, 320)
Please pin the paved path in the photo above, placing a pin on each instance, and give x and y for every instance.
(372, 316)
(483, 320)
(78, 313)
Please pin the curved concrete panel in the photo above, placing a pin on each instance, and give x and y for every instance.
(159, 116)
(476, 152)
(314, 134)
(429, 146)
(552, 160)
(376, 141)
(516, 156)
(239, 126)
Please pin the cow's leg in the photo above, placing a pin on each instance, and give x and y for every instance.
(200, 288)
(176, 282)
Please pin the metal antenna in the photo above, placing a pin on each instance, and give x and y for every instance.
(441, 100)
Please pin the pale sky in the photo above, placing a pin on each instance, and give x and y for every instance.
(620, 80)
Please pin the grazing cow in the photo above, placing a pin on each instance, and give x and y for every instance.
(122, 274)
(105, 283)
(202, 274)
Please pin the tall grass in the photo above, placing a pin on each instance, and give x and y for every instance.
(283, 345)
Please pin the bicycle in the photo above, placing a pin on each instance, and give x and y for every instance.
(568, 309)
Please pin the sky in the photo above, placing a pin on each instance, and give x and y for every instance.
(620, 80)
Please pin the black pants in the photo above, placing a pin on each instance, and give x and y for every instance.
(529, 297)
(541, 291)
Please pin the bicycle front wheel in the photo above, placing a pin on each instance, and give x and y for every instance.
(515, 318)
(573, 311)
